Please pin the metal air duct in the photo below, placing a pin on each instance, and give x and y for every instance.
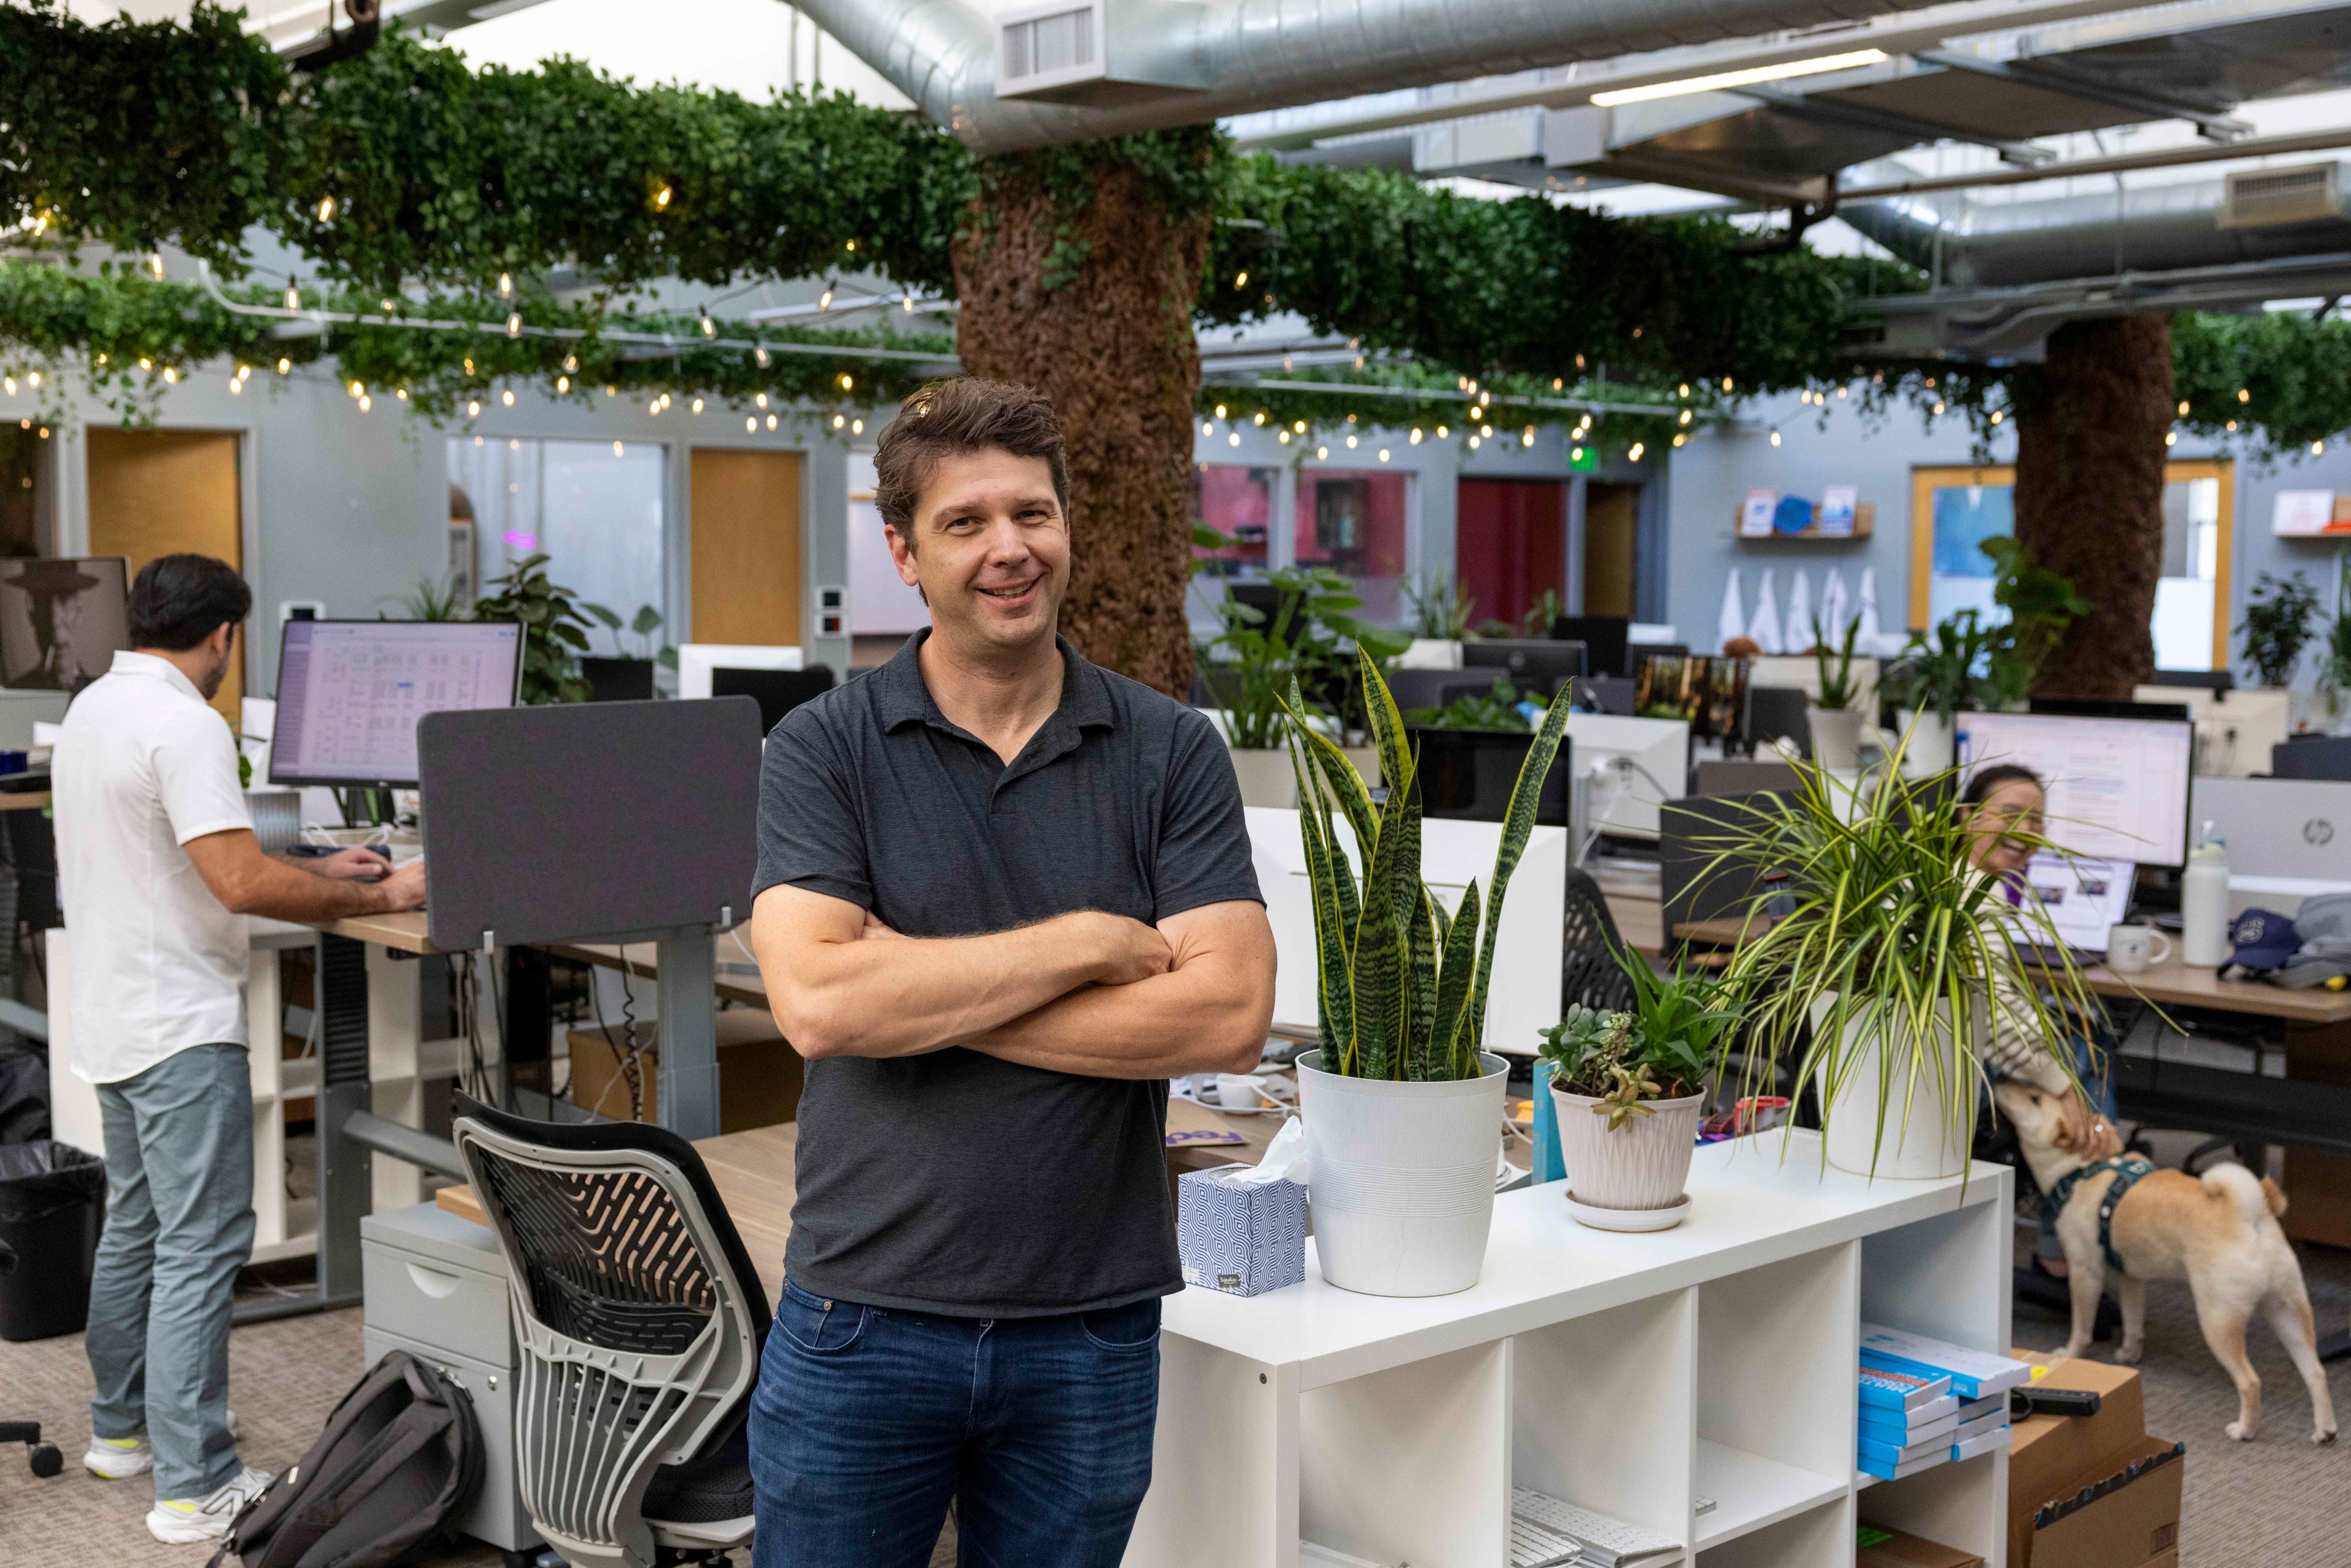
(1145, 65)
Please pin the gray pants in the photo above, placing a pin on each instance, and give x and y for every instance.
(179, 1225)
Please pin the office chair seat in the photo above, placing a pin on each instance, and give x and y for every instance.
(640, 1320)
(1589, 972)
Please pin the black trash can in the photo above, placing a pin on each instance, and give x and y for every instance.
(52, 1205)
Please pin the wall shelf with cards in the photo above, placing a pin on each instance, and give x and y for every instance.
(1862, 524)
(1630, 1375)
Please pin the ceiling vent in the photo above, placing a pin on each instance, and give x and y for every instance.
(1088, 52)
(2263, 198)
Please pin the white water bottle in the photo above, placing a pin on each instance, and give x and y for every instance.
(2204, 903)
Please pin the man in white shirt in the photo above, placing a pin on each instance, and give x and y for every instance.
(157, 868)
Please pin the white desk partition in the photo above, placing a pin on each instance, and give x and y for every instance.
(696, 660)
(1523, 999)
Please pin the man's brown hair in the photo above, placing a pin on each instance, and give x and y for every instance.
(949, 418)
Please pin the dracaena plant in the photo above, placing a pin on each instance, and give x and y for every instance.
(1401, 985)
(1896, 943)
(1834, 661)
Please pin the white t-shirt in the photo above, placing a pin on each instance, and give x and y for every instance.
(156, 963)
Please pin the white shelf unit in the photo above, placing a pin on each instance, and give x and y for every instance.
(1630, 1373)
(399, 1064)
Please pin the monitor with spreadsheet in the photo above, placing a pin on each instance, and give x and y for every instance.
(349, 692)
(2118, 788)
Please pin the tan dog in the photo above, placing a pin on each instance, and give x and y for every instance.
(2219, 1233)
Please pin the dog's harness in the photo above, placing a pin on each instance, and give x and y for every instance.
(2127, 1169)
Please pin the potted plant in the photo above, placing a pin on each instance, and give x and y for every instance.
(1437, 615)
(1249, 669)
(1936, 677)
(1629, 1088)
(2277, 627)
(1836, 719)
(1403, 1107)
(1882, 979)
(2041, 605)
(554, 632)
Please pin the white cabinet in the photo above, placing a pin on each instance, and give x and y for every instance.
(1651, 1376)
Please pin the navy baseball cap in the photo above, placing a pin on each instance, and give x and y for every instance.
(2264, 939)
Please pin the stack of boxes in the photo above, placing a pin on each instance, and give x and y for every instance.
(2093, 1492)
(1925, 1402)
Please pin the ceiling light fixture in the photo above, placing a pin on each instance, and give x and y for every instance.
(1749, 77)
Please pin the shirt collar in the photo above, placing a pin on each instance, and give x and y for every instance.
(147, 664)
(901, 696)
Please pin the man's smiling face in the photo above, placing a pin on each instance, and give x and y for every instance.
(990, 549)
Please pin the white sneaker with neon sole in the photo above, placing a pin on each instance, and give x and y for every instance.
(119, 1458)
(185, 1520)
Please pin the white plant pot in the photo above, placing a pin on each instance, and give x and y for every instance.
(1926, 741)
(1918, 1141)
(1836, 736)
(1268, 779)
(1401, 1178)
(1644, 1163)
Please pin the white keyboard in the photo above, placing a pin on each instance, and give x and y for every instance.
(1538, 1520)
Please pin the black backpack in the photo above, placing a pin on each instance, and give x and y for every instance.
(399, 1459)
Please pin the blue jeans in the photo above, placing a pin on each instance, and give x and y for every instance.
(868, 1420)
(179, 1225)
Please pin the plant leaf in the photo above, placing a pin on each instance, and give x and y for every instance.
(1517, 823)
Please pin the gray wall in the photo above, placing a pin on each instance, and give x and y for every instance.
(351, 509)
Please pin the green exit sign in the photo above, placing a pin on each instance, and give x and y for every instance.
(1582, 459)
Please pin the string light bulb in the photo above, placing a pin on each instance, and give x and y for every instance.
(697, 405)
(1220, 410)
(1775, 435)
(284, 366)
(293, 297)
(616, 449)
(1634, 453)
(1283, 437)
(473, 407)
(1726, 383)
(1996, 415)
(1384, 454)
(759, 357)
(563, 383)
(170, 375)
(839, 420)
(1234, 439)
(2171, 438)
(856, 427)
(760, 399)
(1473, 443)
(1258, 418)
(1351, 442)
(570, 361)
(850, 247)
(709, 328)
(155, 262)
(2245, 394)
(1321, 452)
(2318, 449)
(1240, 279)
(1679, 439)
(357, 388)
(1442, 433)
(1415, 435)
(505, 284)
(847, 383)
(366, 403)
(326, 209)
(750, 424)
(507, 397)
(824, 300)
(771, 421)
(2183, 408)
(661, 202)
(514, 325)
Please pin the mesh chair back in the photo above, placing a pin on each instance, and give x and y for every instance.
(1589, 972)
(638, 1314)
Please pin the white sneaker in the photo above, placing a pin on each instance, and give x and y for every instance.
(119, 1458)
(184, 1521)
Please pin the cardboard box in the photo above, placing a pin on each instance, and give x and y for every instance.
(759, 1074)
(2053, 1457)
(1242, 1237)
(1883, 1548)
(2121, 1519)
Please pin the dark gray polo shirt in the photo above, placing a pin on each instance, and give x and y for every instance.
(953, 1182)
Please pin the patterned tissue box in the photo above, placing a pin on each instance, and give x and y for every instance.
(1242, 1237)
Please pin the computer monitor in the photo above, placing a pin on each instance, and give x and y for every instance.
(2326, 758)
(1605, 694)
(62, 621)
(2118, 788)
(1635, 765)
(1534, 663)
(2290, 830)
(2108, 707)
(1707, 692)
(696, 660)
(349, 692)
(777, 691)
(1777, 713)
(2209, 680)
(618, 680)
(1469, 775)
(2235, 728)
(1606, 640)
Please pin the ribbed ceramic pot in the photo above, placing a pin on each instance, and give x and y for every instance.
(1401, 1176)
(1644, 1163)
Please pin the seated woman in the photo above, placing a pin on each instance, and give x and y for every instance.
(2006, 810)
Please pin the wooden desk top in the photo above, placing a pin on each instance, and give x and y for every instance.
(31, 801)
(404, 932)
(2169, 984)
(753, 1172)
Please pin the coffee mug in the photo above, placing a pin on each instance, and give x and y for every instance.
(2131, 948)
(1238, 1092)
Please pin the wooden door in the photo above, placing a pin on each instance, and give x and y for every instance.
(161, 492)
(745, 532)
(1509, 545)
(1611, 548)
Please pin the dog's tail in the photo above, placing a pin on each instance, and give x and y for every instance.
(2253, 1198)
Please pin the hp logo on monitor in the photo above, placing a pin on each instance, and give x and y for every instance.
(2316, 831)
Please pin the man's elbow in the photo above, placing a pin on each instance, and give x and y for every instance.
(1241, 1043)
(813, 1029)
(240, 898)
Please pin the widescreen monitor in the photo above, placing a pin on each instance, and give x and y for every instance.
(777, 691)
(62, 621)
(2118, 788)
(696, 660)
(349, 692)
(1534, 663)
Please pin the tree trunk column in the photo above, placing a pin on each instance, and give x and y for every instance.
(2089, 493)
(1110, 342)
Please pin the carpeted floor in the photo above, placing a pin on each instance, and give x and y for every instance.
(284, 1377)
(2277, 1502)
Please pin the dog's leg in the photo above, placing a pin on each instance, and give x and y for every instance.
(2088, 1283)
(2132, 1294)
(2223, 1323)
(2288, 1310)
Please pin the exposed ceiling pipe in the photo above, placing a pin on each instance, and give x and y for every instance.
(1235, 56)
(2120, 163)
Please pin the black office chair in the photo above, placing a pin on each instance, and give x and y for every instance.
(640, 1320)
(1589, 972)
(618, 680)
(1774, 713)
(777, 691)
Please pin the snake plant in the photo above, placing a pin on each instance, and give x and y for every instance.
(1402, 986)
